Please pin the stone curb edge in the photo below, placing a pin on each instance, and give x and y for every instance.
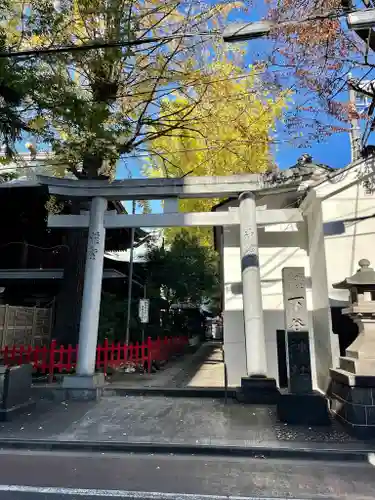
(260, 452)
(213, 392)
(171, 392)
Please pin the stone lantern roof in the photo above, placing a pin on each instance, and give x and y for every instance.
(364, 277)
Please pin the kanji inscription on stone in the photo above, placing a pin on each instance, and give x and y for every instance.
(93, 243)
(250, 257)
(299, 363)
(250, 239)
(297, 330)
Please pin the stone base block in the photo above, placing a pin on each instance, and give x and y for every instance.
(259, 390)
(15, 390)
(84, 387)
(9, 413)
(352, 402)
(303, 409)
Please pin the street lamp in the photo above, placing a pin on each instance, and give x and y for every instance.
(238, 32)
(358, 21)
(361, 19)
(361, 22)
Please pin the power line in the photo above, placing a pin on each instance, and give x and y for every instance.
(145, 41)
(102, 45)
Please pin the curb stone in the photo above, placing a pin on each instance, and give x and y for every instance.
(57, 392)
(188, 392)
(256, 451)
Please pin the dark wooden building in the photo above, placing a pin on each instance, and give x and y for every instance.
(33, 257)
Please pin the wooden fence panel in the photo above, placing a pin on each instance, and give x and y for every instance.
(25, 325)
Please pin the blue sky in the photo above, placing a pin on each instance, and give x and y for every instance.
(335, 152)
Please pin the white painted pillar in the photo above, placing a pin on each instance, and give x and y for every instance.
(255, 343)
(325, 342)
(88, 331)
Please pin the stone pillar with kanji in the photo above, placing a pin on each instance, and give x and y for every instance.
(296, 330)
(300, 404)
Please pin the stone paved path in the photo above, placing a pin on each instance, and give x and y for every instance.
(204, 368)
(165, 420)
(211, 371)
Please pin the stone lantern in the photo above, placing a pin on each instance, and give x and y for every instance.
(360, 356)
(352, 388)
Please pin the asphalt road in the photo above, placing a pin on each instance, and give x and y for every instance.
(83, 476)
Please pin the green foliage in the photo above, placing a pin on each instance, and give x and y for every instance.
(53, 205)
(25, 88)
(8, 176)
(185, 272)
(112, 322)
(15, 82)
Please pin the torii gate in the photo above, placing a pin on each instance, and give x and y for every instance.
(246, 187)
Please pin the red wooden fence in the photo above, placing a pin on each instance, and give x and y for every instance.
(63, 359)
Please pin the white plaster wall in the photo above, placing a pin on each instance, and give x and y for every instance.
(349, 241)
(326, 344)
(345, 243)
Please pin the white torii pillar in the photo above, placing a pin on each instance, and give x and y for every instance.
(255, 343)
(257, 387)
(85, 377)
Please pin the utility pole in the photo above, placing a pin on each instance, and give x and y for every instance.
(130, 279)
(355, 130)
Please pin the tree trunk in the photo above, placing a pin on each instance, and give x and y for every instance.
(69, 299)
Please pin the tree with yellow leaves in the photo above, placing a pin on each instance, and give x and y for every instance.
(230, 130)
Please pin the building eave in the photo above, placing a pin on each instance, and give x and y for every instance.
(48, 274)
(345, 178)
